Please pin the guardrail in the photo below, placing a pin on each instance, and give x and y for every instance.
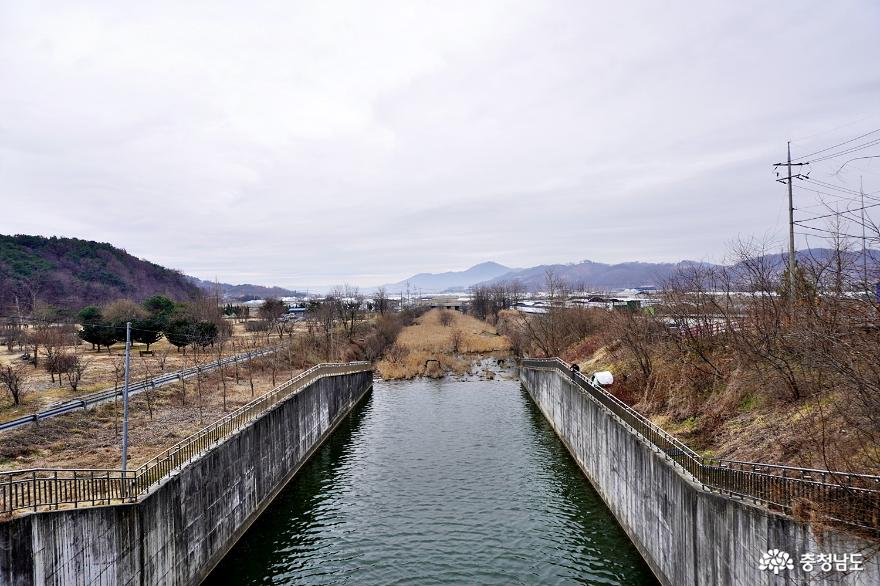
(835, 497)
(108, 395)
(50, 488)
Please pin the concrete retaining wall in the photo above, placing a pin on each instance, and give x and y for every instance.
(179, 531)
(689, 536)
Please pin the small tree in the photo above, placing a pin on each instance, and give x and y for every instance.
(13, 378)
(446, 318)
(76, 369)
(99, 334)
(123, 310)
(179, 333)
(159, 306)
(146, 331)
(380, 300)
(89, 315)
(272, 309)
(205, 333)
(456, 339)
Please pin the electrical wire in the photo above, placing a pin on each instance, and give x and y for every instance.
(838, 213)
(824, 230)
(837, 145)
(838, 197)
(854, 149)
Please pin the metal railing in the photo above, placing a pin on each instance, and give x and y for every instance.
(49, 488)
(834, 497)
(108, 395)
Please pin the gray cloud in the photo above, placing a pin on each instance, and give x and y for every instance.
(312, 143)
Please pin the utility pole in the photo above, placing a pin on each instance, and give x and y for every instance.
(792, 262)
(864, 239)
(125, 398)
(792, 281)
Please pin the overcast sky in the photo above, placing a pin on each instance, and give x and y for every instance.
(303, 144)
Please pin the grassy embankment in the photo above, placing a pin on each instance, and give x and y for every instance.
(744, 413)
(440, 342)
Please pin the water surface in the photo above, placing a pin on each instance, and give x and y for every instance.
(438, 482)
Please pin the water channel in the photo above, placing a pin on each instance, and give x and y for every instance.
(438, 482)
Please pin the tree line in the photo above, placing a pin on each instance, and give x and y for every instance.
(151, 320)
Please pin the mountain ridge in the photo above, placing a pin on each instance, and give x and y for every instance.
(70, 273)
(245, 291)
(451, 280)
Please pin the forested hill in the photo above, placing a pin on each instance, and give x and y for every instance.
(70, 273)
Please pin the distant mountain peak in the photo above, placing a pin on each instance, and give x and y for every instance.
(452, 280)
(489, 264)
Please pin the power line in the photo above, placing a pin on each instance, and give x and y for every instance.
(856, 159)
(847, 151)
(832, 232)
(848, 211)
(838, 197)
(846, 190)
(837, 145)
(827, 185)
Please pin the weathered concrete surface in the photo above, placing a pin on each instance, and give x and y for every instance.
(689, 536)
(182, 528)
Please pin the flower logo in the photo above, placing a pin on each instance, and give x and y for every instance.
(776, 560)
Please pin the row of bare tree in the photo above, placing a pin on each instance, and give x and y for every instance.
(723, 332)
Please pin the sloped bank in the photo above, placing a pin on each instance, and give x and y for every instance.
(688, 535)
(184, 526)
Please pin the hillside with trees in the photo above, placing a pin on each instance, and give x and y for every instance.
(70, 273)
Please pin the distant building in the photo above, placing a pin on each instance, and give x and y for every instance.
(452, 302)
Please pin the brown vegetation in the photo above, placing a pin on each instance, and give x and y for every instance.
(737, 366)
(430, 348)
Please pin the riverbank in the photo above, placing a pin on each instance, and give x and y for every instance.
(441, 342)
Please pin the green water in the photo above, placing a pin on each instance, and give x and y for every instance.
(438, 482)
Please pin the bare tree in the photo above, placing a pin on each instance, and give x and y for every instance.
(349, 308)
(148, 386)
(123, 310)
(558, 326)
(14, 378)
(273, 311)
(76, 369)
(221, 339)
(324, 315)
(456, 338)
(118, 364)
(381, 300)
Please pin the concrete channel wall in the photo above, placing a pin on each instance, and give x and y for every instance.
(179, 531)
(688, 535)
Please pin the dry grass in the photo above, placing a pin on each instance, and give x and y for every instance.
(91, 439)
(428, 348)
(41, 392)
(737, 420)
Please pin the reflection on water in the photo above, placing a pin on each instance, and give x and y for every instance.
(438, 482)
